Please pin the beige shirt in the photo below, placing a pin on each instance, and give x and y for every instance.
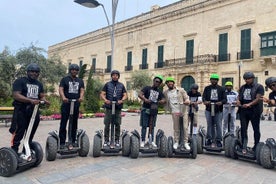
(175, 99)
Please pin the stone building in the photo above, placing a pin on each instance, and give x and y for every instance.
(189, 40)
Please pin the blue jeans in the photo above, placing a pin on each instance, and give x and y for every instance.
(214, 126)
(144, 123)
(225, 120)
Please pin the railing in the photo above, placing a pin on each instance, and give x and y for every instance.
(207, 58)
(159, 64)
(245, 55)
(98, 70)
(143, 66)
(128, 68)
(223, 57)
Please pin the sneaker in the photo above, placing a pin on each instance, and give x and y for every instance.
(142, 145)
(62, 146)
(175, 145)
(75, 144)
(70, 146)
(187, 146)
(106, 143)
(153, 144)
(208, 142)
(219, 144)
(117, 144)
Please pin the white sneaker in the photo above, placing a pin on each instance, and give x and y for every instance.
(187, 147)
(142, 144)
(153, 144)
(175, 145)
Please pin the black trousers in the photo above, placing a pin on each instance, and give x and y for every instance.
(254, 116)
(21, 119)
(65, 113)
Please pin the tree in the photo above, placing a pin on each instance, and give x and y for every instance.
(92, 94)
(140, 79)
(82, 71)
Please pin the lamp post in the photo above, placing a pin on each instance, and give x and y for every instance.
(239, 67)
(94, 4)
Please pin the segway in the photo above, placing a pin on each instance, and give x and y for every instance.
(181, 151)
(236, 149)
(111, 148)
(161, 139)
(268, 154)
(31, 156)
(53, 141)
(227, 138)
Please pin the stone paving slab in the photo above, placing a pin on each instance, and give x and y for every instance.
(206, 168)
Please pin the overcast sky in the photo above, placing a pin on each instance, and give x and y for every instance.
(47, 22)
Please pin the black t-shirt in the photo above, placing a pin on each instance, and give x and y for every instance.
(272, 95)
(194, 96)
(27, 87)
(71, 87)
(153, 94)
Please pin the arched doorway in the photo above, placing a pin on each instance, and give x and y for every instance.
(186, 82)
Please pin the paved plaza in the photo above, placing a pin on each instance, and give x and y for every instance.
(206, 168)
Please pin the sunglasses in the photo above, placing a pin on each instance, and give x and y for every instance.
(157, 81)
(272, 85)
(34, 71)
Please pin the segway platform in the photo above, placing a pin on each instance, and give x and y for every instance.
(148, 149)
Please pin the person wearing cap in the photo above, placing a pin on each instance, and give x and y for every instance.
(214, 94)
(176, 102)
(27, 92)
(271, 84)
(70, 87)
(149, 95)
(229, 108)
(250, 108)
(113, 91)
(195, 99)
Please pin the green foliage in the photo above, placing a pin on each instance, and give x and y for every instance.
(82, 71)
(54, 107)
(92, 94)
(140, 79)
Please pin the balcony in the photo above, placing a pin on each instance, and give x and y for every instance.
(223, 57)
(206, 58)
(128, 68)
(143, 66)
(107, 70)
(245, 55)
(159, 64)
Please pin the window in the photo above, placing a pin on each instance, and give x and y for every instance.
(160, 53)
(108, 64)
(223, 42)
(94, 64)
(224, 80)
(189, 51)
(245, 44)
(129, 58)
(268, 43)
(144, 56)
(81, 62)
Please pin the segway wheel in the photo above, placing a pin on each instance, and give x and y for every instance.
(38, 151)
(97, 145)
(134, 146)
(199, 143)
(258, 152)
(162, 151)
(126, 145)
(51, 148)
(194, 147)
(227, 146)
(8, 162)
(265, 157)
(84, 146)
(170, 146)
(234, 144)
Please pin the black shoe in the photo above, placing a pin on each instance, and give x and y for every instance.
(208, 142)
(75, 145)
(219, 144)
(62, 146)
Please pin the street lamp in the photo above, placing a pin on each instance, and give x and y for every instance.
(239, 67)
(94, 4)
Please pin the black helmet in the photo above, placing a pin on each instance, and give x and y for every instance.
(194, 86)
(269, 81)
(33, 67)
(115, 72)
(248, 75)
(74, 67)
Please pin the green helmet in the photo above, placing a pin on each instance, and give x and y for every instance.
(214, 76)
(228, 83)
(168, 79)
(159, 77)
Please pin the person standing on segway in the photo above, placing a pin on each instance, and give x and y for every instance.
(27, 92)
(271, 84)
(250, 108)
(70, 87)
(175, 98)
(231, 96)
(113, 91)
(149, 95)
(195, 99)
(213, 98)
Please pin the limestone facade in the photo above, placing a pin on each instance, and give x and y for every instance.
(189, 40)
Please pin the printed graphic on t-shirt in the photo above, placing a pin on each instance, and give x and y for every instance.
(73, 87)
(247, 94)
(32, 91)
(214, 94)
(153, 95)
(193, 99)
(231, 99)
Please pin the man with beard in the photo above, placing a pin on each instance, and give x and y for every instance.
(213, 98)
(70, 87)
(27, 92)
(150, 95)
(113, 91)
(177, 101)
